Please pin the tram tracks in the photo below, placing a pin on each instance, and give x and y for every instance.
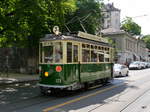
(32, 102)
(129, 104)
(37, 100)
(135, 100)
(118, 98)
(15, 97)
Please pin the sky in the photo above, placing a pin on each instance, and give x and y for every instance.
(139, 10)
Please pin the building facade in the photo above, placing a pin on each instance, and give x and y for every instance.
(149, 55)
(111, 17)
(128, 48)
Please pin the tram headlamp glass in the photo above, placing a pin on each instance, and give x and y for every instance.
(46, 74)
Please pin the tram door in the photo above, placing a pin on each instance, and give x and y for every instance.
(73, 61)
(75, 53)
(76, 59)
(72, 53)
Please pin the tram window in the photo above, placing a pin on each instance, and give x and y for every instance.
(69, 52)
(58, 52)
(85, 55)
(48, 54)
(83, 45)
(75, 53)
(93, 56)
(107, 52)
(88, 46)
(101, 57)
(106, 59)
(99, 48)
(96, 47)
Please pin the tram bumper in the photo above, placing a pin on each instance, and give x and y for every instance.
(73, 86)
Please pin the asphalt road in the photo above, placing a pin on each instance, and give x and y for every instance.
(123, 94)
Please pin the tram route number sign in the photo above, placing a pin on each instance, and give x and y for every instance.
(92, 37)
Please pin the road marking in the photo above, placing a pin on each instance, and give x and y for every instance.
(80, 98)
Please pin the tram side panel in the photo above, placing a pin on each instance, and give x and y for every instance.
(71, 73)
(91, 72)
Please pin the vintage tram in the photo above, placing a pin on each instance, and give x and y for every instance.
(73, 61)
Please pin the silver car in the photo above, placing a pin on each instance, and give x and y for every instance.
(136, 65)
(120, 70)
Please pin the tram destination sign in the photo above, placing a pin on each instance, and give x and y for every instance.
(91, 37)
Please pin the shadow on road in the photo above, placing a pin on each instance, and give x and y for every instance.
(96, 100)
(19, 96)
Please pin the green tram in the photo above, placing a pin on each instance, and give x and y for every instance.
(74, 61)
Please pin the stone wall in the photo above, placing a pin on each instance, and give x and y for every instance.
(19, 60)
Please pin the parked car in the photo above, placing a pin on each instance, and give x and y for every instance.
(120, 70)
(147, 64)
(136, 65)
(143, 64)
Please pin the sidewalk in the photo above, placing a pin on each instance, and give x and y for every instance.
(17, 78)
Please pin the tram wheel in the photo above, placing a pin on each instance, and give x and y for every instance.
(86, 86)
(43, 91)
(105, 81)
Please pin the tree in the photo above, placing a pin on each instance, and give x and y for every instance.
(146, 39)
(87, 16)
(24, 22)
(130, 26)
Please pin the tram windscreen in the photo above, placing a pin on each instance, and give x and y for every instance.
(58, 52)
(53, 52)
(48, 54)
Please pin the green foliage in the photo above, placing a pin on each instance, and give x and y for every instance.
(146, 39)
(87, 15)
(24, 22)
(111, 41)
(130, 26)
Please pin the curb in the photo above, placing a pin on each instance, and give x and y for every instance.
(4, 83)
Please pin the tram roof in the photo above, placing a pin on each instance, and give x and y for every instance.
(80, 36)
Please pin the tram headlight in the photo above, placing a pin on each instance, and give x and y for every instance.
(46, 74)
